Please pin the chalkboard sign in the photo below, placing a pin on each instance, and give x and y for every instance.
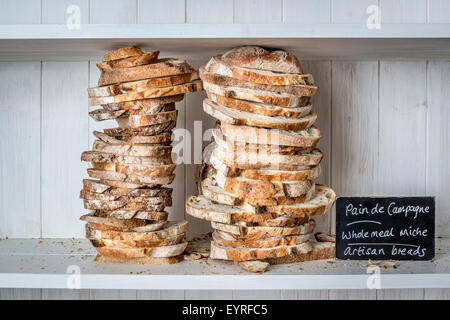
(385, 228)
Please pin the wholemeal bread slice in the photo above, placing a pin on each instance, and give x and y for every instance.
(107, 176)
(156, 252)
(137, 225)
(320, 251)
(106, 160)
(121, 205)
(144, 170)
(143, 105)
(141, 85)
(157, 139)
(160, 195)
(148, 93)
(262, 243)
(128, 62)
(152, 150)
(144, 260)
(237, 117)
(263, 59)
(123, 133)
(122, 53)
(142, 120)
(169, 230)
(160, 68)
(262, 232)
(307, 138)
(244, 254)
(260, 108)
(321, 201)
(266, 77)
(265, 97)
(170, 241)
(103, 114)
(254, 265)
(143, 215)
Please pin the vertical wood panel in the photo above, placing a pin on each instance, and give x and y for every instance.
(403, 11)
(55, 11)
(112, 295)
(438, 162)
(64, 137)
(257, 11)
(161, 11)
(353, 294)
(304, 294)
(160, 294)
(20, 94)
(112, 11)
(354, 128)
(209, 11)
(321, 71)
(350, 11)
(208, 294)
(438, 11)
(20, 11)
(401, 294)
(257, 295)
(306, 11)
(437, 294)
(402, 128)
(65, 294)
(20, 294)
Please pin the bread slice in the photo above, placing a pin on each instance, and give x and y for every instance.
(148, 93)
(307, 138)
(137, 225)
(320, 251)
(109, 159)
(122, 53)
(170, 241)
(102, 114)
(262, 232)
(155, 252)
(141, 85)
(160, 68)
(120, 205)
(170, 229)
(321, 201)
(254, 266)
(260, 108)
(143, 215)
(218, 66)
(157, 139)
(145, 170)
(324, 237)
(262, 59)
(261, 243)
(107, 176)
(123, 133)
(133, 150)
(142, 120)
(144, 260)
(245, 254)
(127, 195)
(94, 190)
(128, 62)
(265, 97)
(237, 117)
(144, 104)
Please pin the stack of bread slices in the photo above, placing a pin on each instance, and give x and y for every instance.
(131, 163)
(257, 181)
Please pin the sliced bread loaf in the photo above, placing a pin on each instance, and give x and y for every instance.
(128, 62)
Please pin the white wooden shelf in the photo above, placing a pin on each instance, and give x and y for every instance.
(201, 41)
(44, 264)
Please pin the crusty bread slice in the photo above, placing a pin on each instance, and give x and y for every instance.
(127, 195)
(107, 176)
(121, 205)
(108, 160)
(157, 139)
(237, 117)
(123, 133)
(265, 97)
(148, 93)
(169, 230)
(244, 254)
(128, 62)
(170, 241)
(155, 252)
(260, 108)
(142, 120)
(122, 53)
(324, 237)
(144, 170)
(282, 175)
(262, 243)
(144, 260)
(254, 265)
(141, 85)
(102, 114)
(160, 68)
(263, 59)
(321, 201)
(151, 150)
(143, 105)
(137, 225)
(307, 138)
(218, 66)
(262, 232)
(144, 215)
(127, 185)
(320, 251)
